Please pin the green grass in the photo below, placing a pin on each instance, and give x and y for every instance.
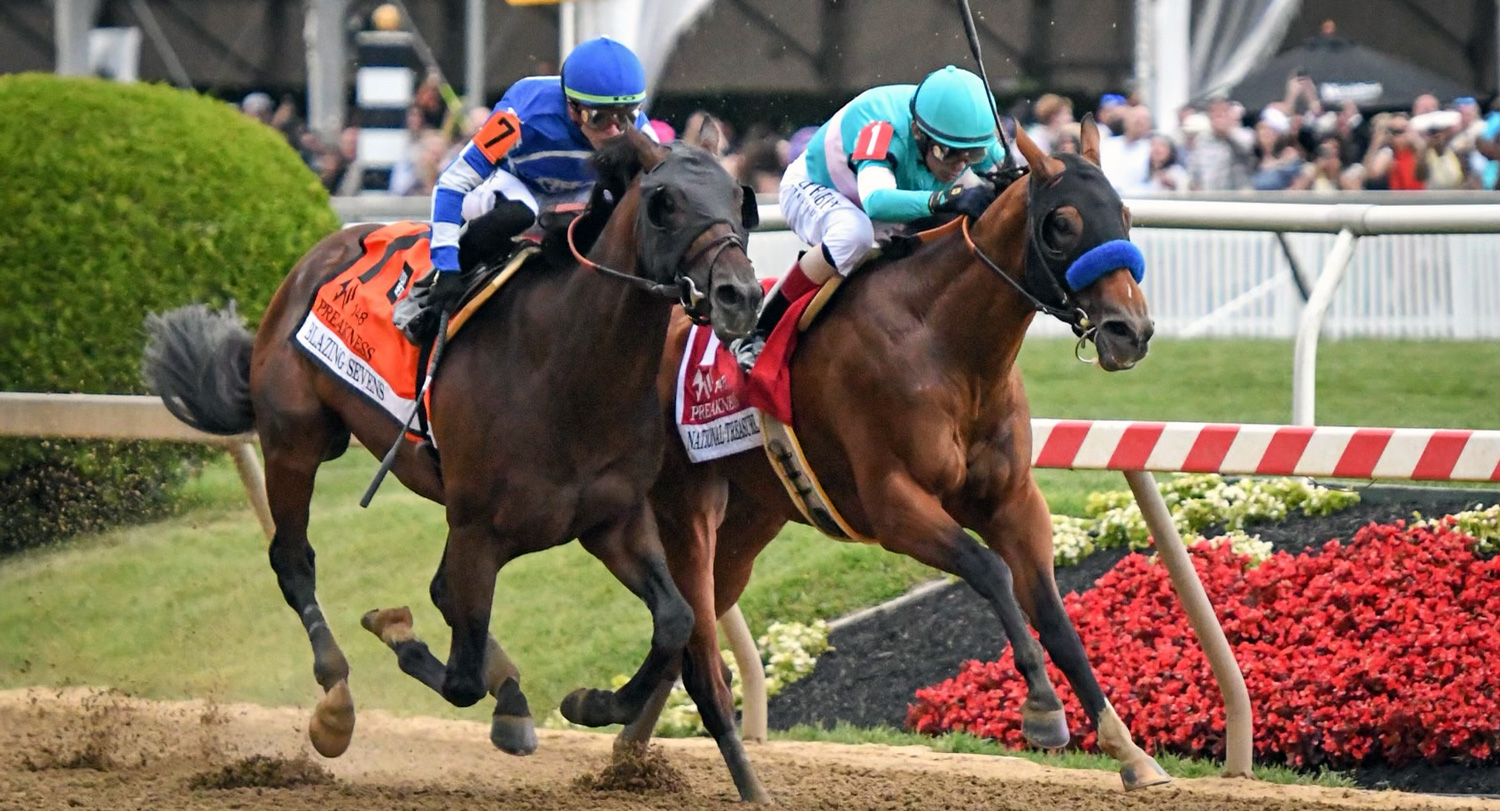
(190, 607)
(965, 744)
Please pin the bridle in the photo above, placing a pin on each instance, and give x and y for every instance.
(1067, 310)
(682, 287)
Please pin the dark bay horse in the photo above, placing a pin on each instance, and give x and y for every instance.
(912, 413)
(544, 409)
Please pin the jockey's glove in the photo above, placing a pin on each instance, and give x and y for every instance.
(447, 288)
(970, 201)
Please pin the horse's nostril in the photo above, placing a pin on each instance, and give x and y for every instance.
(1125, 329)
(727, 295)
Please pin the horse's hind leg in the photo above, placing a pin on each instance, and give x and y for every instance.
(1021, 531)
(913, 522)
(631, 550)
(512, 729)
(294, 447)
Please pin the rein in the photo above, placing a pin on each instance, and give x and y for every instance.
(683, 289)
(1074, 318)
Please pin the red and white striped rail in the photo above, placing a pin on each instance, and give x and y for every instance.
(1423, 454)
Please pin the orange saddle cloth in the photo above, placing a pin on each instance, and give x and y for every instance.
(348, 327)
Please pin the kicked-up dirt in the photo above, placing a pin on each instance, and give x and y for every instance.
(101, 750)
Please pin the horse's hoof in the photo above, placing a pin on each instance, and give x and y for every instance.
(590, 707)
(1143, 773)
(1045, 729)
(392, 625)
(513, 735)
(332, 725)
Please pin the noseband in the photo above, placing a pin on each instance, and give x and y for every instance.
(682, 287)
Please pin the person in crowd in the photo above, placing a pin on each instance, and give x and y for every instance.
(1440, 167)
(1126, 158)
(428, 99)
(1053, 113)
(1109, 112)
(894, 154)
(1487, 145)
(1222, 156)
(532, 152)
(1278, 160)
(258, 106)
(1391, 161)
(1325, 172)
(1167, 174)
(1069, 140)
(760, 165)
(1425, 103)
(1466, 141)
(404, 174)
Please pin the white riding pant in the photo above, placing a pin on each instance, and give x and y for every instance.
(821, 215)
(481, 200)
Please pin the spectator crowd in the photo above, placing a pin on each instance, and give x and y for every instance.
(1295, 143)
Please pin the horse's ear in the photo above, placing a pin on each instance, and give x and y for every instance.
(1088, 138)
(749, 209)
(1035, 158)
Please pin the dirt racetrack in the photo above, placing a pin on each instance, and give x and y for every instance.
(85, 749)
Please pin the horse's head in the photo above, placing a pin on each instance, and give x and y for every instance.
(1079, 257)
(691, 223)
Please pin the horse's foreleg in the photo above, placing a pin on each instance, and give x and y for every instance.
(1022, 533)
(631, 550)
(913, 522)
(289, 485)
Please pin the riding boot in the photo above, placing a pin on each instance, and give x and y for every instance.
(489, 238)
(794, 285)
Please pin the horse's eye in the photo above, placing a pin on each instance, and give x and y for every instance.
(1061, 232)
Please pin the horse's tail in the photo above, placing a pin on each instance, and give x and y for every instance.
(198, 360)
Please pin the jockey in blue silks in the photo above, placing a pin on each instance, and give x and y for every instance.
(532, 153)
(893, 154)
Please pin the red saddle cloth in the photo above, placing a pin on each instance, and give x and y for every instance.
(769, 384)
(348, 327)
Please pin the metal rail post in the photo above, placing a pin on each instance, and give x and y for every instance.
(752, 674)
(1305, 356)
(1239, 729)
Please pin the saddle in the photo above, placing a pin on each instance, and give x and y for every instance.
(348, 328)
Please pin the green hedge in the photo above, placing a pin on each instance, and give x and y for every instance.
(119, 200)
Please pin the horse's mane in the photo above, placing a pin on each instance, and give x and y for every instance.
(616, 164)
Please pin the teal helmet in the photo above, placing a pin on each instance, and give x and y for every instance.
(603, 73)
(952, 106)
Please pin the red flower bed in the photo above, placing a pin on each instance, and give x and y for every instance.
(1387, 648)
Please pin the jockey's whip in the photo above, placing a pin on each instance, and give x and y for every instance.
(973, 34)
(390, 456)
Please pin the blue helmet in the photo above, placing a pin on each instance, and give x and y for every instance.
(952, 106)
(601, 72)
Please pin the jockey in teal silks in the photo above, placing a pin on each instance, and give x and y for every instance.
(533, 152)
(893, 154)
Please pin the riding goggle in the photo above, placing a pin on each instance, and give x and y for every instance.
(955, 155)
(602, 118)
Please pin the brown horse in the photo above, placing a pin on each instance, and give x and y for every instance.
(912, 413)
(544, 408)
